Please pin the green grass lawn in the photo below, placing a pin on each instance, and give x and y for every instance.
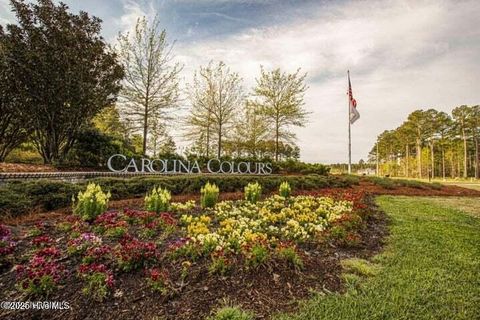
(430, 268)
(465, 184)
(467, 205)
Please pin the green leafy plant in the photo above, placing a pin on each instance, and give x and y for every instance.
(42, 274)
(157, 280)
(257, 255)
(98, 280)
(231, 313)
(289, 254)
(220, 263)
(158, 200)
(186, 265)
(115, 232)
(209, 195)
(91, 203)
(253, 191)
(285, 189)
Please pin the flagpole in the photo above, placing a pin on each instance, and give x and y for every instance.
(349, 132)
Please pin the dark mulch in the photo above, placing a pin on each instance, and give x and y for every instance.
(265, 291)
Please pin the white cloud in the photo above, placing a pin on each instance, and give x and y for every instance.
(6, 15)
(402, 55)
(132, 11)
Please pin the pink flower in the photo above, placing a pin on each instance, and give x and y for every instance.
(42, 241)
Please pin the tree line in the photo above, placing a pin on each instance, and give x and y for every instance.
(431, 144)
(67, 93)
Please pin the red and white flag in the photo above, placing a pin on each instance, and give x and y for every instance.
(354, 115)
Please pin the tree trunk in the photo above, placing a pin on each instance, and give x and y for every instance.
(419, 159)
(407, 156)
(452, 166)
(219, 149)
(208, 139)
(465, 173)
(476, 158)
(277, 132)
(459, 170)
(443, 163)
(154, 147)
(433, 159)
(390, 162)
(145, 129)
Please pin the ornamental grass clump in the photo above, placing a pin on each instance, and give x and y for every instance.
(253, 191)
(158, 200)
(209, 195)
(284, 189)
(91, 203)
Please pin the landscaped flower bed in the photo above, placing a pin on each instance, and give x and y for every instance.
(182, 253)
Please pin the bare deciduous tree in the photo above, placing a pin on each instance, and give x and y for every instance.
(280, 97)
(216, 95)
(151, 85)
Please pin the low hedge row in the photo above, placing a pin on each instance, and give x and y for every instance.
(20, 197)
(389, 183)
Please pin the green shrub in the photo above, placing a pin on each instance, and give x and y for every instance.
(386, 183)
(253, 191)
(295, 167)
(46, 194)
(209, 195)
(14, 203)
(231, 313)
(284, 190)
(349, 180)
(21, 197)
(436, 186)
(93, 148)
(411, 184)
(25, 153)
(91, 203)
(158, 200)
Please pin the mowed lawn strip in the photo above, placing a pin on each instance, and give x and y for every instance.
(430, 268)
(462, 204)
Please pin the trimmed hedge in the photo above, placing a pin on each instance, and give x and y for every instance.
(389, 183)
(20, 197)
(298, 167)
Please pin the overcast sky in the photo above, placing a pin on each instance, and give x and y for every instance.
(402, 55)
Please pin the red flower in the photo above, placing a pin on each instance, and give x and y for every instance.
(168, 218)
(133, 253)
(42, 241)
